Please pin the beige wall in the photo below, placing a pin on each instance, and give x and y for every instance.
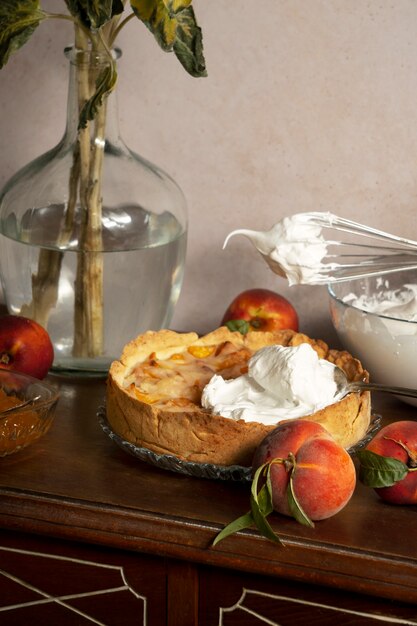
(309, 105)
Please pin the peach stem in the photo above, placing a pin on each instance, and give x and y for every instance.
(412, 456)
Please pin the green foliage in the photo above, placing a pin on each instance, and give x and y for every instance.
(174, 26)
(172, 22)
(105, 83)
(94, 13)
(261, 506)
(261, 503)
(294, 505)
(18, 21)
(188, 45)
(380, 471)
(241, 326)
(245, 521)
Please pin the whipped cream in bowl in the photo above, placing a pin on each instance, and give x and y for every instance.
(399, 303)
(281, 383)
(376, 320)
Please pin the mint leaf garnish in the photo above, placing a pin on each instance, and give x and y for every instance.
(241, 326)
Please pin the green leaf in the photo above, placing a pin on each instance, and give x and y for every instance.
(78, 9)
(144, 9)
(295, 507)
(254, 487)
(94, 13)
(245, 521)
(380, 471)
(102, 11)
(158, 19)
(105, 84)
(261, 507)
(261, 503)
(18, 21)
(241, 326)
(174, 6)
(188, 46)
(118, 7)
(264, 501)
(173, 24)
(260, 519)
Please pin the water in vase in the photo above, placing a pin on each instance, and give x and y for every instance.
(142, 272)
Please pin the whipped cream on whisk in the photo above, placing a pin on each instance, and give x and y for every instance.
(293, 248)
(281, 383)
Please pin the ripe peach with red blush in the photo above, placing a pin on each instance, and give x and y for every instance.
(265, 310)
(25, 346)
(322, 472)
(398, 441)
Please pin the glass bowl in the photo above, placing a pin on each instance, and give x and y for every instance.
(385, 344)
(19, 427)
(237, 473)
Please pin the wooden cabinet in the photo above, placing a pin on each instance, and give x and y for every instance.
(92, 535)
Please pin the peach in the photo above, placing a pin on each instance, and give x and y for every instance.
(398, 441)
(264, 310)
(25, 346)
(323, 473)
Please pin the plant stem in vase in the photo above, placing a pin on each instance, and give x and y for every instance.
(93, 235)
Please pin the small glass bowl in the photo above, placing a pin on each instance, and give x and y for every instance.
(20, 427)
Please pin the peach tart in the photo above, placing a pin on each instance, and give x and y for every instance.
(154, 390)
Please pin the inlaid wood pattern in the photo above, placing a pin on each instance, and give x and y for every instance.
(256, 607)
(33, 584)
(48, 582)
(239, 599)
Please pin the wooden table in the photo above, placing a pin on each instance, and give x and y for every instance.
(93, 535)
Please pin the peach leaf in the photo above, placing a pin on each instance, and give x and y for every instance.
(294, 505)
(380, 471)
(245, 521)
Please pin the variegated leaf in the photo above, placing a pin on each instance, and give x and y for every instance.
(173, 24)
(101, 11)
(94, 13)
(174, 6)
(155, 15)
(78, 9)
(164, 27)
(144, 9)
(18, 21)
(105, 84)
(188, 46)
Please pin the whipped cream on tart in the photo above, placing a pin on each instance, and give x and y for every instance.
(154, 393)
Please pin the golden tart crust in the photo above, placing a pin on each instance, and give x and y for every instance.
(154, 392)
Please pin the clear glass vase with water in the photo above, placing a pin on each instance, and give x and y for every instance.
(94, 279)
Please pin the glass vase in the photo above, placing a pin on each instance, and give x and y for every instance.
(93, 237)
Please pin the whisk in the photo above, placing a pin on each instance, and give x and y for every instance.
(296, 248)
